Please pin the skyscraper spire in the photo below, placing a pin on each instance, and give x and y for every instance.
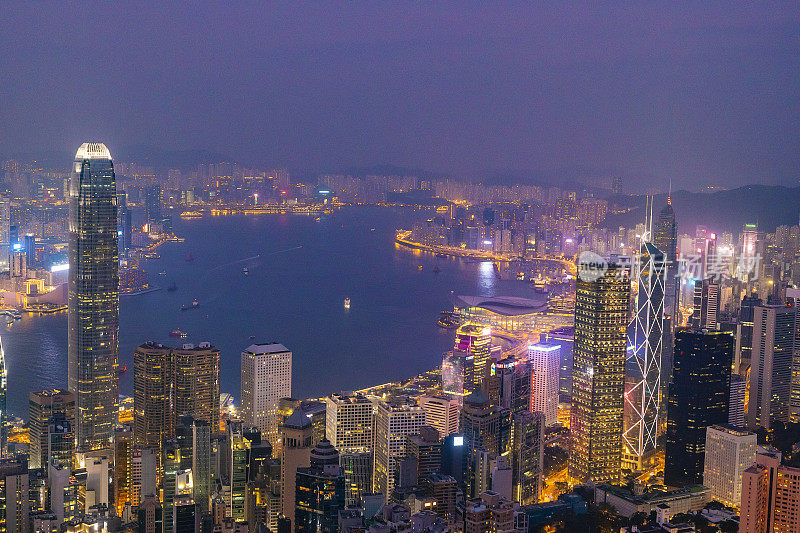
(669, 194)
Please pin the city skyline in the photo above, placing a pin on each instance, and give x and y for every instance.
(684, 92)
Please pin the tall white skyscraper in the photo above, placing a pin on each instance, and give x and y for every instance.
(266, 377)
(775, 329)
(545, 359)
(393, 422)
(729, 452)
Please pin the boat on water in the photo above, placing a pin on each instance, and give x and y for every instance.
(172, 287)
(162, 273)
(195, 305)
(178, 333)
(419, 267)
(245, 271)
(347, 303)
(448, 320)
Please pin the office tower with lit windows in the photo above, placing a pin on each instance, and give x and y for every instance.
(239, 448)
(42, 406)
(201, 465)
(665, 239)
(266, 376)
(93, 301)
(393, 423)
(426, 449)
(196, 383)
(698, 398)
(60, 440)
(646, 340)
(349, 427)
(319, 492)
(598, 374)
(475, 343)
(3, 402)
(455, 366)
(729, 452)
(441, 412)
(297, 436)
(744, 334)
(14, 496)
(736, 401)
(770, 496)
(526, 451)
(153, 420)
(705, 313)
(545, 359)
(774, 346)
(123, 445)
(486, 431)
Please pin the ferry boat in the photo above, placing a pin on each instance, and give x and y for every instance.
(347, 303)
(195, 305)
(177, 333)
(245, 271)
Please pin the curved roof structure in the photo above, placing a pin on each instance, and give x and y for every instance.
(92, 151)
(504, 305)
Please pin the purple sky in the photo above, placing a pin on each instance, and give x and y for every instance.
(698, 92)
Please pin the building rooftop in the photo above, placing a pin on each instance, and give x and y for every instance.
(92, 151)
(503, 305)
(266, 348)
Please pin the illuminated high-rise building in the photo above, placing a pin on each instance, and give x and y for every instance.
(93, 302)
(3, 404)
(442, 413)
(42, 406)
(196, 383)
(665, 238)
(770, 496)
(598, 374)
(266, 377)
(393, 423)
(475, 342)
(297, 436)
(646, 340)
(698, 398)
(544, 359)
(774, 343)
(729, 451)
(153, 420)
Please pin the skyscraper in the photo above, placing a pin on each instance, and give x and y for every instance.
(646, 338)
(196, 383)
(706, 304)
(393, 423)
(545, 359)
(775, 330)
(665, 238)
(297, 436)
(3, 411)
(475, 342)
(266, 377)
(770, 496)
(93, 316)
(598, 375)
(729, 452)
(698, 398)
(153, 420)
(319, 492)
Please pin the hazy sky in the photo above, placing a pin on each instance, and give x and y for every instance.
(698, 92)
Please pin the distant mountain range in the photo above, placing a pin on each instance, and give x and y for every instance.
(769, 206)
